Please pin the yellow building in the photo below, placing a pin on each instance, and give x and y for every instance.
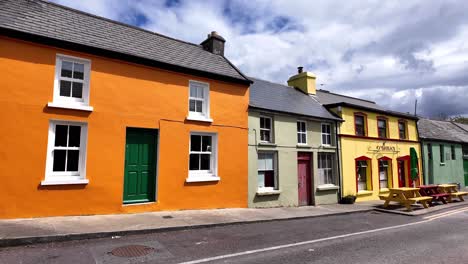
(375, 146)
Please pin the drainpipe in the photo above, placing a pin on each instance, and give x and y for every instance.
(338, 154)
(422, 173)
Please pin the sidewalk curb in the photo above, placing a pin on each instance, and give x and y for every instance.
(419, 214)
(22, 241)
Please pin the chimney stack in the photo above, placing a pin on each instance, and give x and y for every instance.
(214, 43)
(303, 80)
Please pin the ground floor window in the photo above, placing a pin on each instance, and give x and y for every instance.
(385, 173)
(267, 175)
(325, 168)
(66, 152)
(363, 174)
(203, 157)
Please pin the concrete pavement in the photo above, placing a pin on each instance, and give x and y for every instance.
(369, 237)
(48, 229)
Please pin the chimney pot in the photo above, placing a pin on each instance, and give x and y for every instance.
(304, 81)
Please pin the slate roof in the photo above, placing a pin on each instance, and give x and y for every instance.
(463, 126)
(277, 97)
(332, 99)
(45, 19)
(441, 130)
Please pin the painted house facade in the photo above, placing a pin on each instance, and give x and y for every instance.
(375, 145)
(100, 117)
(444, 147)
(292, 146)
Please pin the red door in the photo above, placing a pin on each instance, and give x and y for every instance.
(304, 178)
(404, 176)
(401, 173)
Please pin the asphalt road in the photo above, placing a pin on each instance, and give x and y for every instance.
(356, 238)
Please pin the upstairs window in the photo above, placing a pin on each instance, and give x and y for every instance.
(71, 81)
(266, 129)
(382, 127)
(199, 100)
(301, 132)
(402, 129)
(360, 125)
(326, 134)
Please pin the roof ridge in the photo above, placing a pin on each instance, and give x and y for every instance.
(347, 96)
(117, 22)
(263, 80)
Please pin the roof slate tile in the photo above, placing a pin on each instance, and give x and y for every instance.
(38, 17)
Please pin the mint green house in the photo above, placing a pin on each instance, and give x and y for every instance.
(444, 152)
(293, 157)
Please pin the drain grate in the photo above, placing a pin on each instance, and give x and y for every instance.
(132, 251)
(167, 216)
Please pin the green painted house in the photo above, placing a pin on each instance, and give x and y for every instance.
(293, 157)
(444, 147)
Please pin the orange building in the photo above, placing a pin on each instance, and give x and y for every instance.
(100, 117)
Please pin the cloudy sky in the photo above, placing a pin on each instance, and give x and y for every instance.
(392, 52)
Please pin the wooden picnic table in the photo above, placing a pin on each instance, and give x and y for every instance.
(433, 191)
(405, 196)
(453, 191)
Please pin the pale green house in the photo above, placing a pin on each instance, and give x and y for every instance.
(444, 146)
(293, 157)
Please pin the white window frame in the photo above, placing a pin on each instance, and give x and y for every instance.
(71, 102)
(326, 134)
(205, 114)
(330, 167)
(270, 130)
(58, 178)
(204, 175)
(275, 173)
(302, 132)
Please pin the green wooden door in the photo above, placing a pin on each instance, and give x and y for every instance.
(465, 167)
(140, 166)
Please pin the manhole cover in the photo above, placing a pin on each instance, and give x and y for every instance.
(132, 251)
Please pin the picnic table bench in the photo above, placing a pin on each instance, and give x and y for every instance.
(405, 196)
(433, 191)
(453, 192)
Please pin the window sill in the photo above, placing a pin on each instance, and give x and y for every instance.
(384, 190)
(303, 146)
(442, 164)
(364, 193)
(71, 106)
(327, 146)
(63, 182)
(267, 144)
(200, 119)
(202, 179)
(327, 187)
(268, 192)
